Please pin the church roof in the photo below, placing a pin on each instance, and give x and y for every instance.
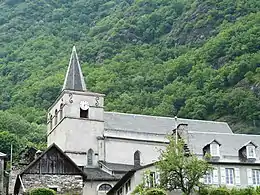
(74, 79)
(159, 125)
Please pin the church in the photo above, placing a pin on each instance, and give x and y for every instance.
(101, 147)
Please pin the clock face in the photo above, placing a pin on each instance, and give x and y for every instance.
(84, 105)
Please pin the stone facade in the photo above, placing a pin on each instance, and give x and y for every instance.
(71, 184)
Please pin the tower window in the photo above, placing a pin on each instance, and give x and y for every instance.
(137, 158)
(56, 117)
(50, 122)
(83, 113)
(90, 157)
(61, 111)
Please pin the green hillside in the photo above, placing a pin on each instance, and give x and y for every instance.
(192, 58)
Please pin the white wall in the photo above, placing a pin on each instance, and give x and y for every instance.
(122, 151)
(91, 187)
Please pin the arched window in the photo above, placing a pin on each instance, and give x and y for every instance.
(50, 122)
(104, 187)
(137, 158)
(56, 117)
(90, 157)
(61, 111)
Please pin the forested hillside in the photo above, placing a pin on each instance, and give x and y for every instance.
(192, 58)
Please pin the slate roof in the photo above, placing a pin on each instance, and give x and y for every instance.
(117, 167)
(159, 125)
(96, 174)
(126, 177)
(74, 79)
(230, 143)
(2, 155)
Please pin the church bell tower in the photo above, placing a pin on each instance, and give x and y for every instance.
(76, 119)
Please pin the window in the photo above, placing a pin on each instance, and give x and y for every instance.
(149, 179)
(251, 151)
(256, 176)
(56, 117)
(50, 122)
(229, 176)
(90, 157)
(208, 178)
(128, 186)
(137, 158)
(61, 111)
(214, 149)
(152, 180)
(104, 187)
(83, 113)
(120, 191)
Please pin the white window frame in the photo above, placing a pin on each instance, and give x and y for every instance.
(128, 186)
(256, 177)
(120, 191)
(208, 178)
(248, 151)
(214, 144)
(230, 176)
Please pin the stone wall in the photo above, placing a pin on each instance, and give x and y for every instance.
(71, 184)
(14, 172)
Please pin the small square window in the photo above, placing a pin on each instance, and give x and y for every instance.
(84, 113)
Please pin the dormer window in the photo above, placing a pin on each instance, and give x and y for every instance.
(250, 150)
(212, 148)
(247, 153)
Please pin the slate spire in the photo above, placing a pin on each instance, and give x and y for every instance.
(74, 79)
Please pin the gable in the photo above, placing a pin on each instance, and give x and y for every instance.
(53, 161)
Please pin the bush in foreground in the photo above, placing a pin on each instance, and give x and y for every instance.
(42, 191)
(155, 191)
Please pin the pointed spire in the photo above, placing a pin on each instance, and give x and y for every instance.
(74, 79)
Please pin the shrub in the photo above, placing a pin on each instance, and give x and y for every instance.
(155, 191)
(219, 191)
(42, 191)
(203, 191)
(244, 191)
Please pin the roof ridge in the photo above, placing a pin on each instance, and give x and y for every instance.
(219, 133)
(164, 117)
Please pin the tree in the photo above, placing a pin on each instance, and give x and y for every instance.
(179, 169)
